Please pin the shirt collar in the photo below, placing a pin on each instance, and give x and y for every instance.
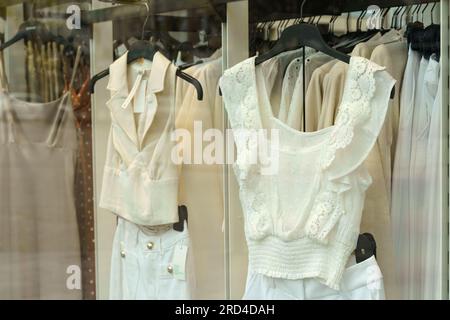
(118, 73)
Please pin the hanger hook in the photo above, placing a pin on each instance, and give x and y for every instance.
(347, 23)
(423, 11)
(399, 20)
(383, 18)
(360, 20)
(147, 7)
(301, 9)
(432, 12)
(401, 16)
(417, 11)
(336, 17)
(394, 17)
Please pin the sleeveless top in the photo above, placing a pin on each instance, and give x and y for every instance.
(302, 217)
(140, 180)
(39, 238)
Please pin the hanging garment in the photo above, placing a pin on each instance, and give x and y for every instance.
(400, 206)
(362, 281)
(333, 84)
(432, 247)
(140, 180)
(40, 249)
(420, 131)
(334, 80)
(376, 214)
(293, 70)
(393, 56)
(3, 82)
(276, 69)
(144, 263)
(302, 214)
(201, 180)
(84, 193)
(414, 256)
(292, 98)
(315, 93)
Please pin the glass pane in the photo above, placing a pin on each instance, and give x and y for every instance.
(348, 214)
(153, 114)
(47, 209)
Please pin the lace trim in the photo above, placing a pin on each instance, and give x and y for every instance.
(359, 91)
(326, 211)
(354, 110)
(242, 108)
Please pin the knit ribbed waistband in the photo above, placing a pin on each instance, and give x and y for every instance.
(299, 259)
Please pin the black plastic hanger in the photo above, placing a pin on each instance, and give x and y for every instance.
(301, 35)
(30, 29)
(142, 49)
(366, 247)
(349, 41)
(182, 216)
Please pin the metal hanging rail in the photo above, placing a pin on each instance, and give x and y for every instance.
(264, 10)
(200, 8)
(359, 5)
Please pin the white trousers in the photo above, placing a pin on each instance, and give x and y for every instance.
(142, 263)
(362, 281)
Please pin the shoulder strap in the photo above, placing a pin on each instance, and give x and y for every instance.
(3, 79)
(239, 95)
(75, 67)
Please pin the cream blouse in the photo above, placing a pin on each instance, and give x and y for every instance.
(140, 180)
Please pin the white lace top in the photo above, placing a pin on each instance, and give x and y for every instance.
(302, 219)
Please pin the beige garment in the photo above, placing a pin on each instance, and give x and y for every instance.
(333, 88)
(315, 93)
(376, 214)
(333, 84)
(200, 186)
(3, 82)
(393, 56)
(39, 238)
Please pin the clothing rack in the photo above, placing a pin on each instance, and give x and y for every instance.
(263, 10)
(38, 3)
(208, 23)
(198, 8)
(202, 19)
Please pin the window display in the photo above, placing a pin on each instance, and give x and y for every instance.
(215, 150)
